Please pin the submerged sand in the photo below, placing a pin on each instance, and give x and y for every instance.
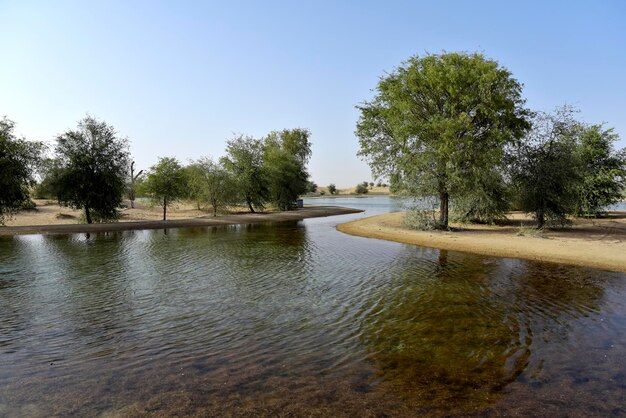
(599, 243)
(200, 221)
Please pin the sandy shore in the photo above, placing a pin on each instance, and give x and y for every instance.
(599, 243)
(201, 221)
(48, 212)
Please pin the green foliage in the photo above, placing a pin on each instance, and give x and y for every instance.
(438, 122)
(18, 159)
(544, 169)
(312, 187)
(361, 188)
(332, 189)
(244, 162)
(603, 170)
(285, 156)
(488, 202)
(210, 184)
(91, 173)
(166, 183)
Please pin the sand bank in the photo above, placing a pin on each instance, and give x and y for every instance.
(599, 243)
(203, 221)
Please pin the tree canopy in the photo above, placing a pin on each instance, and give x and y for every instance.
(18, 159)
(285, 156)
(210, 183)
(92, 163)
(602, 170)
(544, 170)
(439, 122)
(244, 161)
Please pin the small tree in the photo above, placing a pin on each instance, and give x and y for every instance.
(332, 189)
(244, 162)
(544, 169)
(361, 188)
(210, 183)
(166, 183)
(18, 159)
(312, 187)
(603, 170)
(92, 169)
(285, 156)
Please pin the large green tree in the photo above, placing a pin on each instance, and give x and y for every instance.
(166, 183)
(244, 161)
(285, 156)
(92, 164)
(18, 159)
(438, 122)
(603, 170)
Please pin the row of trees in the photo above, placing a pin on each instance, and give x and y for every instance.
(91, 170)
(254, 172)
(455, 126)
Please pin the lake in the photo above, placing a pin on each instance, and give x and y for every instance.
(296, 318)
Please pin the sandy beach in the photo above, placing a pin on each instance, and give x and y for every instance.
(599, 243)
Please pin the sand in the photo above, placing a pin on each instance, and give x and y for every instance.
(48, 212)
(599, 243)
(51, 219)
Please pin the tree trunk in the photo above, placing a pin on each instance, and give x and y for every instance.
(214, 210)
(541, 219)
(444, 199)
(164, 207)
(133, 179)
(250, 206)
(87, 215)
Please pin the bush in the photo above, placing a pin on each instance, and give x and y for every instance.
(422, 219)
(362, 188)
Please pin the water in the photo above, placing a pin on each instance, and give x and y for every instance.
(296, 318)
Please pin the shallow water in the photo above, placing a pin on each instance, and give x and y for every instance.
(297, 318)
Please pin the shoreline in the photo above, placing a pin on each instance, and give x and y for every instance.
(589, 243)
(205, 221)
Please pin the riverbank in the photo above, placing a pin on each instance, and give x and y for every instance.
(202, 221)
(599, 243)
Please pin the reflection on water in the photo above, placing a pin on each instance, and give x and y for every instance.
(297, 318)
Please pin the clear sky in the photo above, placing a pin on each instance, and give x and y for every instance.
(179, 78)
